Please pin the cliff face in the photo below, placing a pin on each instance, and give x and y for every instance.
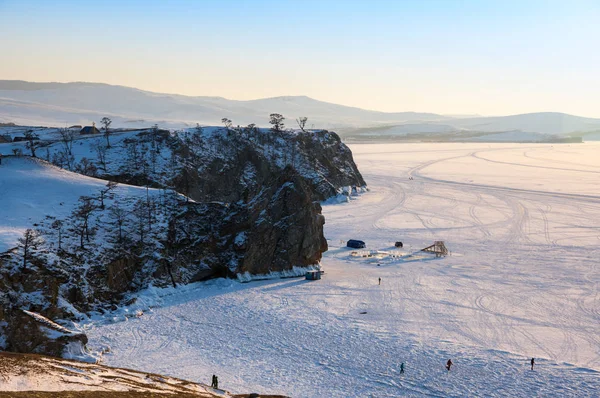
(254, 209)
(234, 165)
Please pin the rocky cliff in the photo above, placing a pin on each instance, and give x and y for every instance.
(224, 202)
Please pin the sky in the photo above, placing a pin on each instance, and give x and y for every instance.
(450, 57)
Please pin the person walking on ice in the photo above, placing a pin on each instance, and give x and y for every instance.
(402, 368)
(532, 363)
(380, 281)
(448, 364)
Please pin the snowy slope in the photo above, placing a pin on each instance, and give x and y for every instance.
(31, 189)
(522, 281)
(26, 372)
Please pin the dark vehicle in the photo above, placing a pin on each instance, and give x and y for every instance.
(356, 244)
(399, 244)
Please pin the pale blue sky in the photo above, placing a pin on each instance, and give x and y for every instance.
(453, 57)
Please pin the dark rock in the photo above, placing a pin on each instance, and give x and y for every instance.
(33, 334)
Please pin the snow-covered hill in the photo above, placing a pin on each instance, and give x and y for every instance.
(532, 127)
(543, 122)
(32, 190)
(72, 244)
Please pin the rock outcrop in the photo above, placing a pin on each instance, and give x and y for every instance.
(254, 210)
(31, 332)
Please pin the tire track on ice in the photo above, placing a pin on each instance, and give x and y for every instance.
(479, 224)
(137, 340)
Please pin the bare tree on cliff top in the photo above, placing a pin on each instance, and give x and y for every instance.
(228, 123)
(302, 122)
(276, 120)
(106, 123)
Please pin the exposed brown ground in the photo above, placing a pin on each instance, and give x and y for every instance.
(90, 394)
(31, 363)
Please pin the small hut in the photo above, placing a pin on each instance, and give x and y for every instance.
(313, 275)
(90, 130)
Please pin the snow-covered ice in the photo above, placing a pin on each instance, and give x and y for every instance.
(521, 222)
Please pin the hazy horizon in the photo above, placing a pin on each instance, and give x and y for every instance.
(457, 116)
(442, 57)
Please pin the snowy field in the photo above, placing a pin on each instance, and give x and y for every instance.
(523, 227)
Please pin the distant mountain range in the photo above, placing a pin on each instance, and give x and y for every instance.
(61, 104)
(82, 103)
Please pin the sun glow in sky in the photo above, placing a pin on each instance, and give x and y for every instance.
(451, 57)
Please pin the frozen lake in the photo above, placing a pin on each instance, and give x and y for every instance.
(523, 227)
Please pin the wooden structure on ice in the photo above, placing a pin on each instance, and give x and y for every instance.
(438, 248)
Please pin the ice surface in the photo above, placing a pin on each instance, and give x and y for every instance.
(522, 225)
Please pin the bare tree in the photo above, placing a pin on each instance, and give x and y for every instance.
(150, 205)
(302, 122)
(185, 183)
(106, 192)
(58, 225)
(276, 120)
(120, 216)
(155, 138)
(143, 164)
(106, 122)
(29, 242)
(33, 142)
(172, 250)
(140, 213)
(101, 151)
(66, 138)
(136, 158)
(227, 122)
(62, 159)
(82, 214)
(154, 159)
(87, 167)
(294, 151)
(250, 131)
